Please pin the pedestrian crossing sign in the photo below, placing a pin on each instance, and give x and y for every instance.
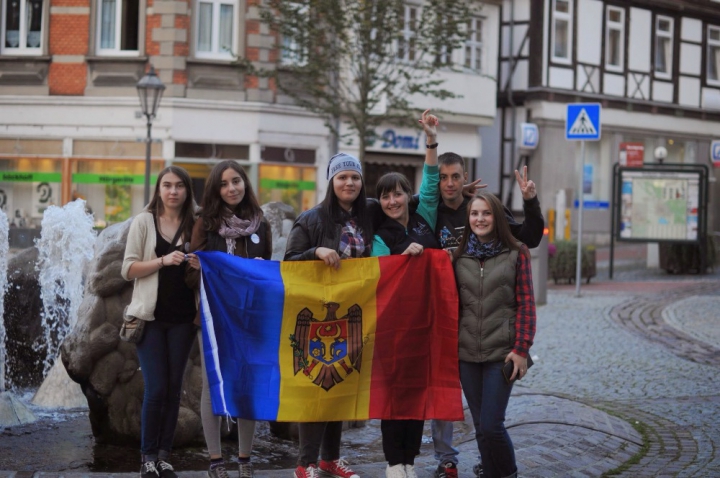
(582, 122)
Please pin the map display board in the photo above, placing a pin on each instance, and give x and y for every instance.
(660, 205)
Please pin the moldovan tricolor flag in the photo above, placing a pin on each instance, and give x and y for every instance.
(301, 341)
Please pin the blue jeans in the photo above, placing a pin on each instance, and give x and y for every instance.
(442, 435)
(487, 394)
(163, 353)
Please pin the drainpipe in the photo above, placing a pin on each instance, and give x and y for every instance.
(509, 90)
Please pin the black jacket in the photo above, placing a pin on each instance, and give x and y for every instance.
(451, 222)
(397, 238)
(308, 233)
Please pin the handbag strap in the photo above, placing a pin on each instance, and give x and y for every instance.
(177, 234)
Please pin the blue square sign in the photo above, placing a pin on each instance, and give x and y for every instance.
(715, 153)
(582, 122)
(529, 136)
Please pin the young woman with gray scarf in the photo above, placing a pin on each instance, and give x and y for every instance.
(231, 221)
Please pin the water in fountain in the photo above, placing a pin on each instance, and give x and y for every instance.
(66, 244)
(4, 253)
(12, 412)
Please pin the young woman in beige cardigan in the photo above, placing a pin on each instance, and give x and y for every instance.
(155, 259)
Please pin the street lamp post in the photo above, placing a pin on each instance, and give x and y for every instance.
(150, 90)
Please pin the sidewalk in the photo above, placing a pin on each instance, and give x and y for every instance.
(615, 380)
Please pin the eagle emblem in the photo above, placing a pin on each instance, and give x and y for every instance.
(327, 350)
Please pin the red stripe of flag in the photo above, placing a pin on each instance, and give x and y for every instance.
(415, 362)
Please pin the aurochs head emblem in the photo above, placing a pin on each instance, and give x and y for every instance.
(330, 349)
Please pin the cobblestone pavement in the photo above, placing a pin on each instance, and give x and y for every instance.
(647, 352)
(625, 380)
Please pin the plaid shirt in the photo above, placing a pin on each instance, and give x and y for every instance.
(352, 244)
(526, 315)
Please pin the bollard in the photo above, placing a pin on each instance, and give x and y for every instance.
(551, 225)
(539, 265)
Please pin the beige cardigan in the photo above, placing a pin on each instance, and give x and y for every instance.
(141, 242)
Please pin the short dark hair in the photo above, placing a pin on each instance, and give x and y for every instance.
(388, 182)
(448, 159)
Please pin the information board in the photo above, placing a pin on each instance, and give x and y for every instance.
(660, 205)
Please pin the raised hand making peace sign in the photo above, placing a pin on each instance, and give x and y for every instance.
(526, 187)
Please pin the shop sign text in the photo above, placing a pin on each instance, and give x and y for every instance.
(393, 140)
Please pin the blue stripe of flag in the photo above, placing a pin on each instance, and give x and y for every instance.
(241, 306)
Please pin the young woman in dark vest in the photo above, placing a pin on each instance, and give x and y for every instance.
(497, 325)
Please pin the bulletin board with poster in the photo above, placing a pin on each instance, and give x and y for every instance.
(660, 203)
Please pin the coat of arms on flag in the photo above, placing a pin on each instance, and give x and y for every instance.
(327, 350)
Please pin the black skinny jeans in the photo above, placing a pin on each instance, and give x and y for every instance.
(401, 440)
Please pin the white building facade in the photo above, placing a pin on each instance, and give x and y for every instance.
(654, 67)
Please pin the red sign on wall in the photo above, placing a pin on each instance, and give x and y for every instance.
(632, 154)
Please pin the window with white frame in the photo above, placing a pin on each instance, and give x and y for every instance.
(118, 27)
(293, 51)
(22, 27)
(216, 29)
(663, 47)
(406, 45)
(713, 55)
(615, 39)
(561, 34)
(473, 53)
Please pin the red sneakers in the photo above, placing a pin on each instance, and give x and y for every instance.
(446, 470)
(310, 472)
(337, 468)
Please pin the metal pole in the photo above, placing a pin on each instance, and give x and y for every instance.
(581, 194)
(148, 144)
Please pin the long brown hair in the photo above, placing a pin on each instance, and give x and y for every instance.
(501, 227)
(214, 209)
(187, 212)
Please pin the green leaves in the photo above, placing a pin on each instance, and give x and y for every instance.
(360, 61)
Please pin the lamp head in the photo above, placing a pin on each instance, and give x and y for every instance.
(150, 90)
(660, 153)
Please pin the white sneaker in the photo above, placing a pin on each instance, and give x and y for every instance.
(410, 471)
(397, 471)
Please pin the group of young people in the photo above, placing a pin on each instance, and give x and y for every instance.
(488, 249)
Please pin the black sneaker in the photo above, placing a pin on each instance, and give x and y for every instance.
(446, 470)
(218, 471)
(165, 470)
(148, 470)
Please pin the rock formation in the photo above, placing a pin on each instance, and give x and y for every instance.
(107, 368)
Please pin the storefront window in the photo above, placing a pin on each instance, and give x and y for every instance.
(113, 189)
(28, 186)
(288, 184)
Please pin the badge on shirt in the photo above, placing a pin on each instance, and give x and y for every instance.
(255, 238)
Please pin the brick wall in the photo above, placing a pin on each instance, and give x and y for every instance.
(260, 50)
(68, 46)
(167, 42)
(167, 46)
